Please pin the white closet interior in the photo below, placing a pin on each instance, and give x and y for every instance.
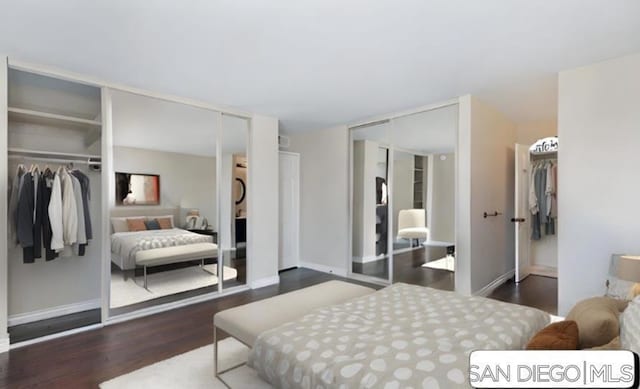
(55, 123)
(544, 251)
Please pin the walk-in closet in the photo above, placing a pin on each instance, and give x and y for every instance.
(536, 188)
(55, 205)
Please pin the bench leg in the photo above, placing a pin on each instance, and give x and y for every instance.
(218, 373)
(144, 269)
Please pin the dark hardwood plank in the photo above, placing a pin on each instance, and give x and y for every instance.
(86, 359)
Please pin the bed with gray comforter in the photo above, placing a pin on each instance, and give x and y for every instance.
(401, 336)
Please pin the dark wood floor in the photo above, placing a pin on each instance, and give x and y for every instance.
(407, 267)
(86, 359)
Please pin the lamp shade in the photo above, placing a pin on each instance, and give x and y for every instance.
(628, 268)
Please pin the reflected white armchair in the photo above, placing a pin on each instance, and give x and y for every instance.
(411, 225)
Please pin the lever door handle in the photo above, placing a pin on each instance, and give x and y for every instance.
(518, 220)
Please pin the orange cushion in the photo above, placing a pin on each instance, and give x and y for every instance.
(562, 335)
(165, 222)
(136, 225)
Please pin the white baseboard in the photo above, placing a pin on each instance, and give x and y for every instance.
(484, 292)
(262, 282)
(61, 310)
(371, 258)
(325, 269)
(4, 344)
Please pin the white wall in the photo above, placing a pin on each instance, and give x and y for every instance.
(324, 198)
(529, 132)
(186, 181)
(443, 184)
(599, 129)
(365, 161)
(263, 201)
(485, 247)
(402, 191)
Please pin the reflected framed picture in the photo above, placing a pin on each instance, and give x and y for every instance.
(137, 189)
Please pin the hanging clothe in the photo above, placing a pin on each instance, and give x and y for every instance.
(14, 196)
(25, 220)
(55, 214)
(542, 198)
(85, 186)
(81, 231)
(45, 189)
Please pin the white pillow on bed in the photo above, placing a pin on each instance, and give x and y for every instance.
(119, 224)
(630, 326)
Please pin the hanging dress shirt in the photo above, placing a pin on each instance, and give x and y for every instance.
(55, 214)
(69, 211)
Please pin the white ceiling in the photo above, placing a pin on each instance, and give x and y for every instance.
(149, 123)
(318, 63)
(428, 132)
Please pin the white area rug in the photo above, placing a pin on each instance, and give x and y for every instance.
(446, 263)
(164, 283)
(194, 370)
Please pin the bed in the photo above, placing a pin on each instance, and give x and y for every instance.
(125, 245)
(401, 336)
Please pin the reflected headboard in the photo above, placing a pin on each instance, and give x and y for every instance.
(148, 211)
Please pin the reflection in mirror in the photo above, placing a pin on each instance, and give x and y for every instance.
(137, 189)
(370, 219)
(166, 251)
(234, 199)
(423, 197)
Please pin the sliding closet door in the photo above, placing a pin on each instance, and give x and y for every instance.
(164, 214)
(233, 200)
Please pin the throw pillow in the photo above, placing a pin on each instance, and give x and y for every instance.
(562, 335)
(136, 225)
(597, 319)
(164, 222)
(152, 224)
(630, 327)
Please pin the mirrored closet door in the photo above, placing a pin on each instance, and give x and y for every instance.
(371, 239)
(234, 200)
(164, 209)
(403, 198)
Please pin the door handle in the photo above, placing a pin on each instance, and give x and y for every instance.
(518, 220)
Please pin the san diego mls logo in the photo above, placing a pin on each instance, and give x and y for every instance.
(554, 369)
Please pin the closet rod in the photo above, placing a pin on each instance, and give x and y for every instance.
(56, 160)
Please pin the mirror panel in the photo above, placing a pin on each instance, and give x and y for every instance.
(370, 201)
(164, 241)
(234, 200)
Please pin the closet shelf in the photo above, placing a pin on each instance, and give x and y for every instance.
(27, 153)
(38, 117)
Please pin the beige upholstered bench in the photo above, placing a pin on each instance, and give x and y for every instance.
(246, 322)
(175, 254)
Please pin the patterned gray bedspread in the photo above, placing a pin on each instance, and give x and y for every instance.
(401, 336)
(127, 244)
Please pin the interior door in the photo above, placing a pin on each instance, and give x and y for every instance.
(289, 210)
(522, 216)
